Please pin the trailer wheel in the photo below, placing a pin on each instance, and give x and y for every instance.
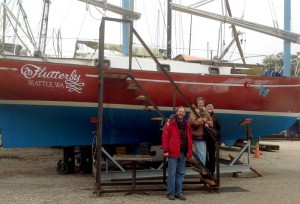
(61, 168)
(59, 162)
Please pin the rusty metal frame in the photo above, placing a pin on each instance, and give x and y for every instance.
(99, 185)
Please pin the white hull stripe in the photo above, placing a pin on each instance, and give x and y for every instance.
(207, 84)
(137, 107)
(91, 75)
(6, 68)
(216, 84)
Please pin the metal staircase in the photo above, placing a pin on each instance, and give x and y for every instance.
(133, 85)
(141, 94)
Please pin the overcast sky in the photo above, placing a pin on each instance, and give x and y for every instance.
(78, 21)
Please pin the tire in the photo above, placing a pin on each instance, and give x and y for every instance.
(62, 168)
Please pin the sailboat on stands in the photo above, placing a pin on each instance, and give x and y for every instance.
(50, 101)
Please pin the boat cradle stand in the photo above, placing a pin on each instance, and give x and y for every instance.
(234, 165)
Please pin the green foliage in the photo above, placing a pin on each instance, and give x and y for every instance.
(276, 61)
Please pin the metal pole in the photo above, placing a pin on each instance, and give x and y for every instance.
(169, 31)
(286, 43)
(100, 105)
(190, 34)
(126, 4)
(130, 43)
(4, 22)
(235, 34)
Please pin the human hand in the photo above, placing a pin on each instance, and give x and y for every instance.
(166, 154)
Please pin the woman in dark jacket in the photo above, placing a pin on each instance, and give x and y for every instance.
(210, 142)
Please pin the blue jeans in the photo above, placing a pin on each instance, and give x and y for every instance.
(176, 173)
(200, 147)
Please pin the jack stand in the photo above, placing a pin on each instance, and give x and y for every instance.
(236, 166)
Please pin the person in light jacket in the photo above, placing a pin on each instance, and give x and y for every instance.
(198, 134)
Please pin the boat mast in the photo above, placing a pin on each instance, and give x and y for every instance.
(287, 43)
(126, 4)
(235, 33)
(4, 22)
(169, 30)
(279, 33)
(44, 28)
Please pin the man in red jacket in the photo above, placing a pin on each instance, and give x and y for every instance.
(177, 144)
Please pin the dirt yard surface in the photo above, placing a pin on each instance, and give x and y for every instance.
(29, 176)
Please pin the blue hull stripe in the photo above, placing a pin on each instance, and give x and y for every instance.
(44, 126)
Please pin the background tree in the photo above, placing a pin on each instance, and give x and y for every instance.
(276, 62)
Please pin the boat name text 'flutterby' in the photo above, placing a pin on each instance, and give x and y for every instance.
(30, 71)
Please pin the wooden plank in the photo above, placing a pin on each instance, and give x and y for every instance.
(262, 147)
(129, 157)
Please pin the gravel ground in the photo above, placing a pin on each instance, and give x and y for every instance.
(29, 176)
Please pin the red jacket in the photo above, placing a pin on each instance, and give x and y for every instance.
(171, 139)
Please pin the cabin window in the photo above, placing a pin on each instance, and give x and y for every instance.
(166, 67)
(106, 62)
(214, 70)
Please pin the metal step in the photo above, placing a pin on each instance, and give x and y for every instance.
(157, 118)
(149, 108)
(132, 86)
(140, 98)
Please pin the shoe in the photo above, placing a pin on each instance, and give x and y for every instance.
(210, 182)
(180, 197)
(171, 197)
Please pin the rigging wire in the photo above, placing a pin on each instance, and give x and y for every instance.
(232, 52)
(24, 44)
(81, 26)
(244, 9)
(147, 22)
(66, 13)
(164, 21)
(273, 14)
(220, 36)
(102, 13)
(7, 28)
(157, 29)
(53, 44)
(175, 33)
(181, 38)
